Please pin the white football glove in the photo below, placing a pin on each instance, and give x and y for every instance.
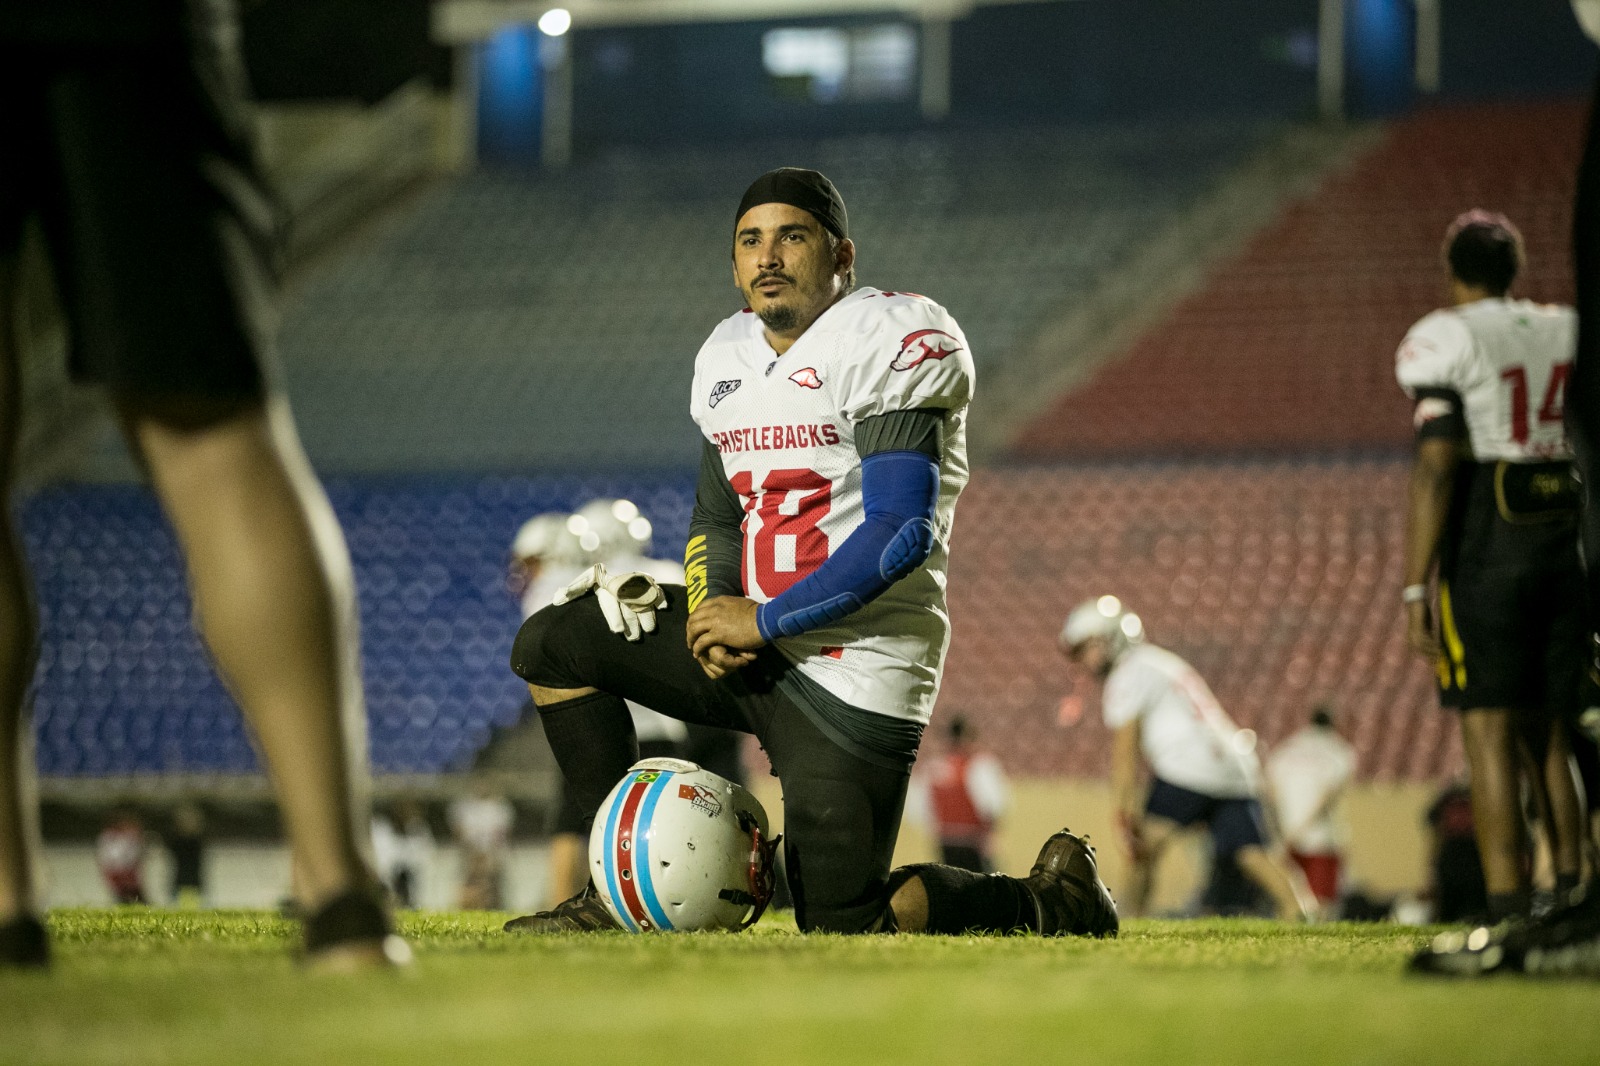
(629, 601)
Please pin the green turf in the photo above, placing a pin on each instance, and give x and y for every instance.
(145, 986)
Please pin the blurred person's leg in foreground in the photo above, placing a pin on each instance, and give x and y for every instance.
(134, 156)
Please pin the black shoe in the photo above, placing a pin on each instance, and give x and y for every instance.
(1067, 891)
(351, 920)
(1478, 952)
(24, 943)
(583, 913)
(1567, 941)
(1562, 942)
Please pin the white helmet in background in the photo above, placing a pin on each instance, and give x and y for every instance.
(1104, 617)
(675, 847)
(545, 538)
(609, 529)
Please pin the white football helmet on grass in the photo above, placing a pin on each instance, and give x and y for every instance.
(677, 848)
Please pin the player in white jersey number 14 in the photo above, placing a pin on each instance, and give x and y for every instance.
(813, 614)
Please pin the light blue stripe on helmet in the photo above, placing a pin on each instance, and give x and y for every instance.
(608, 860)
(644, 873)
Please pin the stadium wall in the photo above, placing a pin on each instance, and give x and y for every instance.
(1388, 851)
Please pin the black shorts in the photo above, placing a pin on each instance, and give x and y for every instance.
(1510, 592)
(1234, 823)
(841, 813)
(136, 160)
(1512, 639)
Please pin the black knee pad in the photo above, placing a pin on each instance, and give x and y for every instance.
(548, 642)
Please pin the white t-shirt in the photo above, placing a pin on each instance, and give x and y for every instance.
(785, 427)
(1508, 361)
(1304, 770)
(1187, 737)
(481, 823)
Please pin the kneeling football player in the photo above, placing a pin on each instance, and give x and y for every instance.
(814, 613)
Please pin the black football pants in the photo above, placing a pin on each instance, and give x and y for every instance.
(841, 814)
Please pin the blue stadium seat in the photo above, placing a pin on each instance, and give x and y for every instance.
(124, 686)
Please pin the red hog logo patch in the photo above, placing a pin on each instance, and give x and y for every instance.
(806, 378)
(925, 344)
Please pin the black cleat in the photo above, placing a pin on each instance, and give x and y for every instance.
(1069, 897)
(1478, 952)
(1562, 943)
(583, 913)
(24, 944)
(353, 931)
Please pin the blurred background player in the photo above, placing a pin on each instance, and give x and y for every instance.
(481, 823)
(960, 797)
(1456, 881)
(119, 853)
(1493, 513)
(545, 555)
(1204, 769)
(403, 849)
(1308, 774)
(186, 844)
(128, 139)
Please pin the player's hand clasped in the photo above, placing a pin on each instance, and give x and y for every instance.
(723, 635)
(628, 601)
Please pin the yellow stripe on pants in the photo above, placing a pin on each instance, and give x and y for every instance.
(1452, 642)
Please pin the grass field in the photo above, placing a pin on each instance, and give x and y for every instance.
(145, 986)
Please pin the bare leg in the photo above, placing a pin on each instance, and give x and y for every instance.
(1496, 806)
(910, 906)
(544, 697)
(18, 633)
(1153, 837)
(569, 865)
(1283, 882)
(1564, 814)
(274, 600)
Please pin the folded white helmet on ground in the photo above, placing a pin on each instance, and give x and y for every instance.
(675, 847)
(1104, 617)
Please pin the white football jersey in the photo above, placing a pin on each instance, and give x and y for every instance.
(1186, 736)
(1305, 770)
(785, 427)
(1508, 360)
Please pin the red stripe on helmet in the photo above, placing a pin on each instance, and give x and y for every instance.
(622, 855)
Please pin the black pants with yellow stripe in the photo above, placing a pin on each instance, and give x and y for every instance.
(1512, 637)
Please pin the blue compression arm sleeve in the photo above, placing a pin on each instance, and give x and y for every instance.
(899, 491)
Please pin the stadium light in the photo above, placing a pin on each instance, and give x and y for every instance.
(555, 22)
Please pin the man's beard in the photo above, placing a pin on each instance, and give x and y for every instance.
(779, 318)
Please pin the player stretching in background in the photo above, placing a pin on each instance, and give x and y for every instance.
(814, 616)
(1493, 514)
(1204, 768)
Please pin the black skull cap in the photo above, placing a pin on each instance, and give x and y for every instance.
(809, 190)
